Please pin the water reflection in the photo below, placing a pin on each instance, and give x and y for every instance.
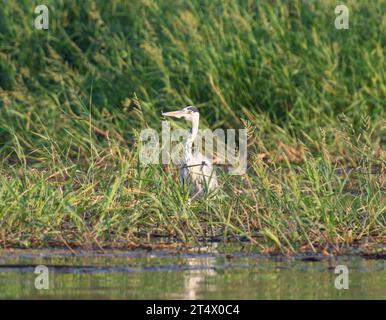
(195, 279)
(166, 275)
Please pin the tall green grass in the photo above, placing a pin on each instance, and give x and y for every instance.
(74, 98)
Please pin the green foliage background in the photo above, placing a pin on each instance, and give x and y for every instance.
(73, 99)
(281, 58)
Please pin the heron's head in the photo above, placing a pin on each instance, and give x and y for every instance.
(189, 113)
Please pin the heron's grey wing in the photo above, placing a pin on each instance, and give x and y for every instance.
(209, 172)
(204, 174)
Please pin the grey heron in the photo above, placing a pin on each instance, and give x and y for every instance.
(196, 170)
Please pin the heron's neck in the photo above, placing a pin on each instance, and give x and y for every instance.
(188, 148)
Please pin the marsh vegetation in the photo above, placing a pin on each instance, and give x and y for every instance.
(74, 98)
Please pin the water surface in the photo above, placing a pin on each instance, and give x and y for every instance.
(164, 274)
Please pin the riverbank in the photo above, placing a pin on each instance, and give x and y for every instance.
(281, 208)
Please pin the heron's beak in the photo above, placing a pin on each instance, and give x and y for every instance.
(175, 114)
